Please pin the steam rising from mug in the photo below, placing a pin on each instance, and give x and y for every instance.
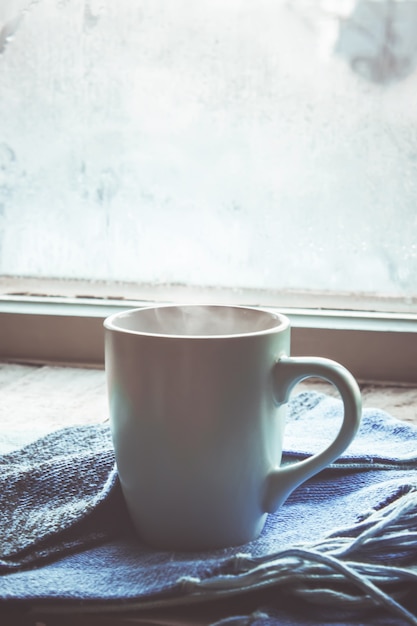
(199, 321)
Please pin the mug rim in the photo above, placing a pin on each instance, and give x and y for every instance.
(282, 322)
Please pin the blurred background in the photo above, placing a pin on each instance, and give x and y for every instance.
(250, 143)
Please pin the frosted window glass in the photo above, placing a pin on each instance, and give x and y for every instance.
(240, 143)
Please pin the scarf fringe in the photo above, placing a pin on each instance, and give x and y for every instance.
(347, 569)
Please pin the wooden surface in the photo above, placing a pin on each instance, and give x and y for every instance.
(48, 398)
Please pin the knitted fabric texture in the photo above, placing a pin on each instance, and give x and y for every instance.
(57, 495)
(345, 541)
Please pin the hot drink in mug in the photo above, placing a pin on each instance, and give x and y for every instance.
(197, 398)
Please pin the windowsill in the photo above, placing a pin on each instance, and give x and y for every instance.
(15, 287)
(61, 322)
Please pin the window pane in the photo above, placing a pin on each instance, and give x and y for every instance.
(247, 143)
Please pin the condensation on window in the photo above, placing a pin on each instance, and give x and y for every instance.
(250, 143)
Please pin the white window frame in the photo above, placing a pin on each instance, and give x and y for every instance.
(61, 322)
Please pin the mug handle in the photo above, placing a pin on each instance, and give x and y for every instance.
(288, 371)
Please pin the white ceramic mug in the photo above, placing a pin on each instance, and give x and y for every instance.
(197, 399)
